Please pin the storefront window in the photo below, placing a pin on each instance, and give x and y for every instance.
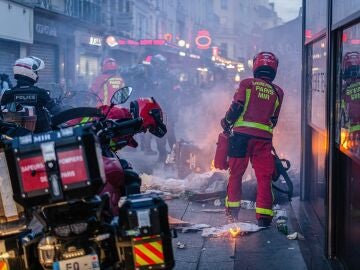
(317, 83)
(348, 92)
(316, 18)
(344, 8)
(89, 67)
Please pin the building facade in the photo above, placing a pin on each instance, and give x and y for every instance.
(14, 40)
(240, 25)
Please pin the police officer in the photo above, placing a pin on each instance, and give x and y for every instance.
(163, 84)
(25, 93)
(252, 116)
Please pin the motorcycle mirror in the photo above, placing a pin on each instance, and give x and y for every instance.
(121, 95)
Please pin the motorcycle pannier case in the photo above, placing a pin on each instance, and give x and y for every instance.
(55, 166)
(144, 233)
(12, 218)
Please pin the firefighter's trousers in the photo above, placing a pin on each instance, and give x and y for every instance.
(258, 151)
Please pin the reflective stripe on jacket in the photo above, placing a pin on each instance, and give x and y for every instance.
(261, 102)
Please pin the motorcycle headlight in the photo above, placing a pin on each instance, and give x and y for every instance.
(79, 228)
(66, 230)
(63, 231)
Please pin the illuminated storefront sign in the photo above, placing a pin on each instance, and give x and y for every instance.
(203, 40)
(215, 51)
(95, 41)
(219, 60)
(113, 42)
(168, 37)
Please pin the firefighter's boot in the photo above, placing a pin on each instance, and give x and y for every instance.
(264, 222)
(232, 214)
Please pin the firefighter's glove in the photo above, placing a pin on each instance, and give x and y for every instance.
(273, 121)
(226, 125)
(235, 110)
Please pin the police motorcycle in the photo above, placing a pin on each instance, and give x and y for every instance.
(55, 177)
(75, 233)
(17, 249)
(141, 219)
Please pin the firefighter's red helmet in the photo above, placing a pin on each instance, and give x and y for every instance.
(109, 65)
(265, 65)
(351, 65)
(150, 111)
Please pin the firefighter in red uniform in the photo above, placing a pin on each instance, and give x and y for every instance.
(252, 116)
(351, 102)
(108, 81)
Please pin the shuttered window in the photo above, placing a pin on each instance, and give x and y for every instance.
(49, 54)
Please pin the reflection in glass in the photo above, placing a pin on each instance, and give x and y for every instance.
(316, 18)
(317, 83)
(344, 8)
(349, 100)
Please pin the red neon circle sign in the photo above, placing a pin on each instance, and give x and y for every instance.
(203, 40)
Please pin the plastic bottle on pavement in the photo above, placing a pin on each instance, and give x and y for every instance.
(281, 222)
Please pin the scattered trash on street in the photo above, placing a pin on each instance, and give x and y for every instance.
(281, 225)
(295, 236)
(219, 210)
(210, 183)
(280, 214)
(225, 230)
(195, 227)
(174, 186)
(163, 194)
(176, 223)
(245, 204)
(180, 245)
(217, 202)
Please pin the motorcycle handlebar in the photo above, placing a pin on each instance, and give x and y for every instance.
(129, 127)
(112, 128)
(7, 124)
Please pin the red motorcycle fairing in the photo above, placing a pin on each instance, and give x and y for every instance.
(115, 181)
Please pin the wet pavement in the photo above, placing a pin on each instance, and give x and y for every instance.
(267, 249)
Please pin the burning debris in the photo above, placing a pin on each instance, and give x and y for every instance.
(234, 232)
(211, 183)
(232, 229)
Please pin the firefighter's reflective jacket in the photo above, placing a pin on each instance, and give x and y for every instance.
(262, 102)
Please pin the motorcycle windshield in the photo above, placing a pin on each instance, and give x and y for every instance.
(77, 99)
(79, 107)
(75, 116)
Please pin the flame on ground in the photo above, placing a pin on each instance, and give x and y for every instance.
(234, 231)
(212, 166)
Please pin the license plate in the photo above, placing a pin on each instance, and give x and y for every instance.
(88, 262)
